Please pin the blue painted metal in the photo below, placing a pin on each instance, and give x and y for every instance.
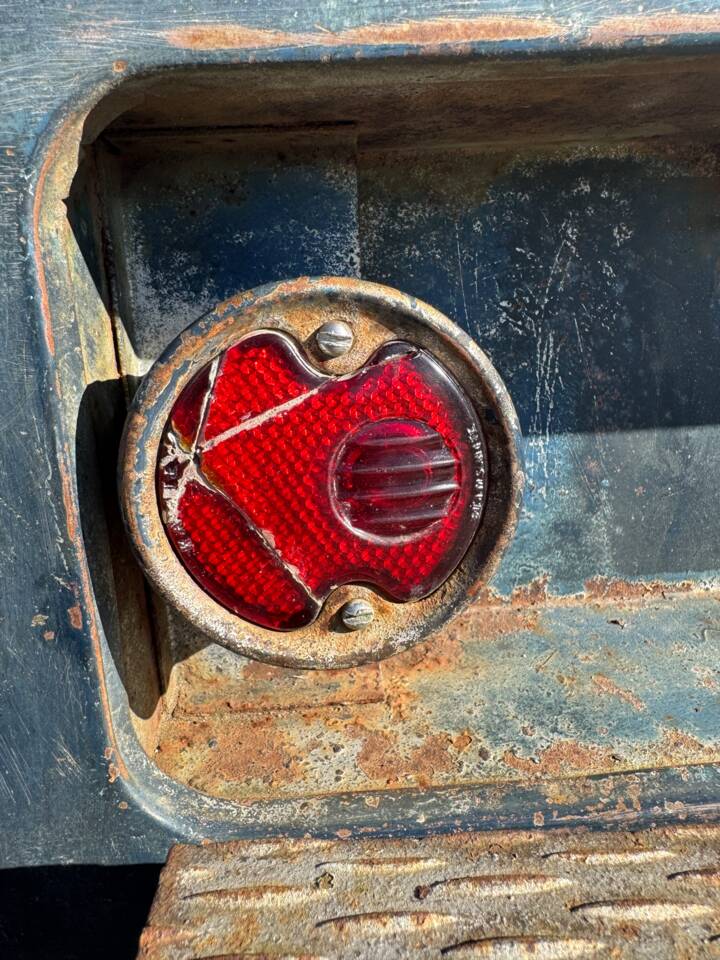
(74, 784)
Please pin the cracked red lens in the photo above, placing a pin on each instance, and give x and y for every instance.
(278, 483)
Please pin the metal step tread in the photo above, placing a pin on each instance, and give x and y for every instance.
(548, 895)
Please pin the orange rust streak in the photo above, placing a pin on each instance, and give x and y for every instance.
(381, 760)
(67, 496)
(75, 617)
(425, 33)
(608, 686)
(561, 758)
(605, 588)
(616, 30)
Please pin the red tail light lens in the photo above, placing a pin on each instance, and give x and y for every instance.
(278, 483)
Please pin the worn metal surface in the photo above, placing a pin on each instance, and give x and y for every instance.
(334, 339)
(74, 782)
(653, 894)
(519, 690)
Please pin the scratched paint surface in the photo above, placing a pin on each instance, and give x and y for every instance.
(591, 281)
(198, 226)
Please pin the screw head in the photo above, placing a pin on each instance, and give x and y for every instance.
(356, 614)
(334, 338)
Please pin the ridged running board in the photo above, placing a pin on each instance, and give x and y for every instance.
(548, 895)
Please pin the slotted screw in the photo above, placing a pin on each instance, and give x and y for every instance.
(334, 338)
(356, 614)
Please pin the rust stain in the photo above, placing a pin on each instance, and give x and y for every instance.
(75, 617)
(257, 670)
(437, 655)
(380, 758)
(705, 677)
(676, 744)
(561, 758)
(262, 753)
(253, 752)
(606, 588)
(617, 30)
(204, 942)
(534, 592)
(68, 500)
(262, 687)
(437, 32)
(606, 685)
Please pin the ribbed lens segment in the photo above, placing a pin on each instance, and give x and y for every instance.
(278, 483)
(396, 478)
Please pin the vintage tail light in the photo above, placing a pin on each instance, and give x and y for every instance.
(285, 484)
(278, 483)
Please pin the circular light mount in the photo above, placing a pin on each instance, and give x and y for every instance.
(266, 490)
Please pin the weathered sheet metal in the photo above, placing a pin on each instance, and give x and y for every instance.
(516, 690)
(545, 259)
(74, 782)
(652, 894)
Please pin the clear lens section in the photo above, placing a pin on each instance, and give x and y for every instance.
(278, 483)
(396, 478)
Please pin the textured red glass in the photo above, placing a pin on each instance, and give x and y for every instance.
(301, 482)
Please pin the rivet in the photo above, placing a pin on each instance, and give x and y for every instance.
(334, 338)
(356, 614)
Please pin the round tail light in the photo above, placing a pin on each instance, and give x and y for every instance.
(266, 486)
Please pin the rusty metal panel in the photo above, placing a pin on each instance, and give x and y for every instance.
(518, 690)
(552, 896)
